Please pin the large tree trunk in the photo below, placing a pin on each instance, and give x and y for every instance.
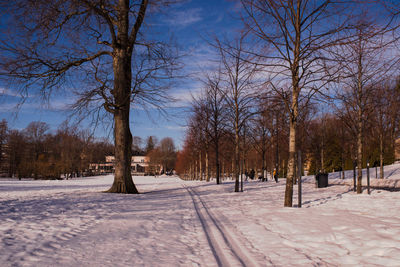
(293, 112)
(291, 163)
(292, 140)
(122, 67)
(123, 182)
(360, 125)
(123, 141)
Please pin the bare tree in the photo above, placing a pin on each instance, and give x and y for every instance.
(238, 73)
(35, 134)
(292, 34)
(70, 147)
(261, 134)
(199, 125)
(364, 61)
(215, 105)
(167, 149)
(386, 100)
(137, 143)
(151, 143)
(16, 151)
(103, 46)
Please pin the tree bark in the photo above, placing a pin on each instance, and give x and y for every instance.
(291, 164)
(294, 110)
(293, 118)
(123, 182)
(122, 66)
(123, 139)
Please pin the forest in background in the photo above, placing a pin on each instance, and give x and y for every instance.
(39, 153)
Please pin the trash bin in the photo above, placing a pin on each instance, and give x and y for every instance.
(321, 180)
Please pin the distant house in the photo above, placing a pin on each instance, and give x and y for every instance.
(101, 168)
(140, 165)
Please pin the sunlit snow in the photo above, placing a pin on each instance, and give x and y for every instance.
(187, 223)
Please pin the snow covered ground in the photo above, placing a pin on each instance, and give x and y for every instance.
(187, 223)
(391, 177)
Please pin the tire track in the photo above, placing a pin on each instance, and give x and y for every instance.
(227, 250)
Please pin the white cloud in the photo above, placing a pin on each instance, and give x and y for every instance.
(7, 107)
(59, 104)
(56, 103)
(183, 18)
(183, 97)
(8, 92)
(176, 128)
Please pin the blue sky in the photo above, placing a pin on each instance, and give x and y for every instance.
(189, 22)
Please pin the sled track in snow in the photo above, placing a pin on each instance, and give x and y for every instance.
(227, 250)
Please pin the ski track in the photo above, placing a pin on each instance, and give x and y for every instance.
(227, 250)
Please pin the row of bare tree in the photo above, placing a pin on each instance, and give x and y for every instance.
(328, 139)
(36, 152)
(290, 55)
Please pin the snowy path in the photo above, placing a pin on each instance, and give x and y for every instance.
(181, 223)
(226, 248)
(66, 225)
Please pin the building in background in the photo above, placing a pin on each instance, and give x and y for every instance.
(140, 165)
